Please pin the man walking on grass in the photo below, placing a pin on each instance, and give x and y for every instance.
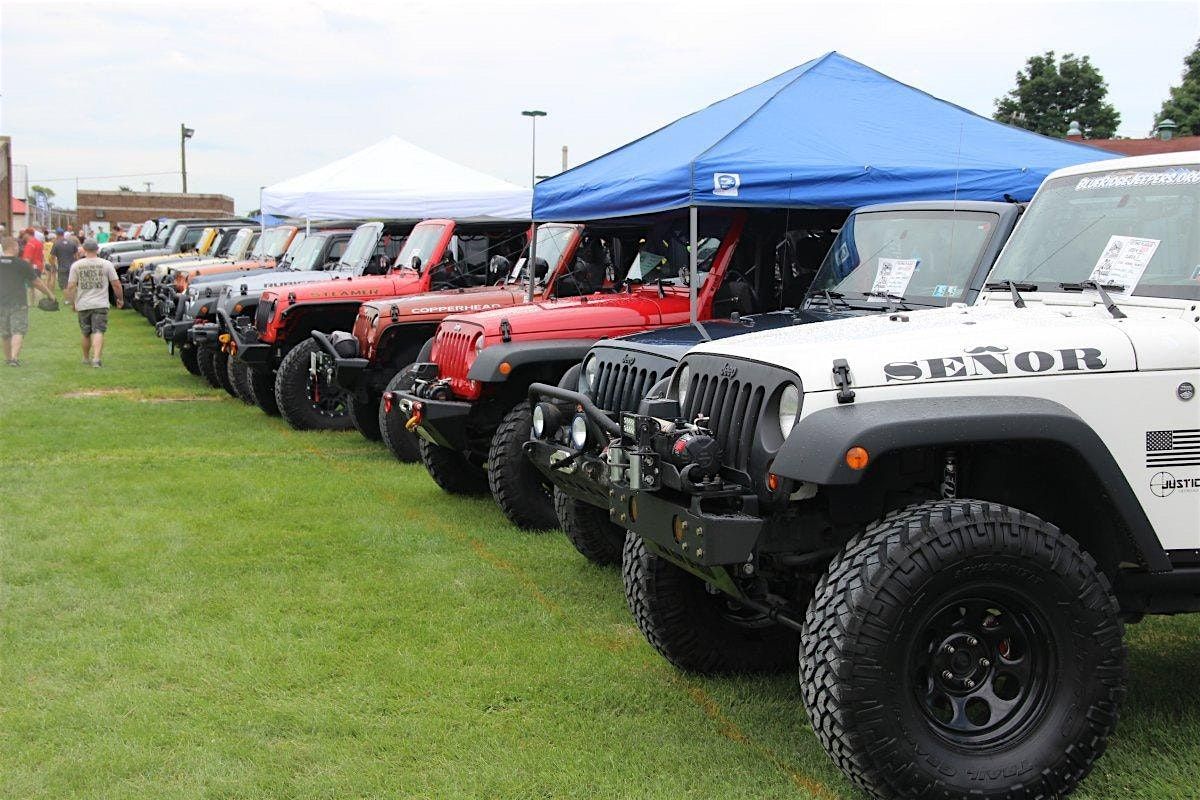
(16, 277)
(87, 290)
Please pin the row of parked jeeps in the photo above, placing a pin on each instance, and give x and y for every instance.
(933, 458)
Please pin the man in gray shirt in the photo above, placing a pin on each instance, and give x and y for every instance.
(87, 289)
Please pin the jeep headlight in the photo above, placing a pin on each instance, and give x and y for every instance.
(590, 369)
(479, 344)
(685, 377)
(579, 431)
(789, 408)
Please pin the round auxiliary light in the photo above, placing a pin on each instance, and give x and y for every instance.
(591, 368)
(857, 458)
(547, 419)
(633, 509)
(685, 377)
(678, 528)
(789, 408)
(579, 431)
(539, 421)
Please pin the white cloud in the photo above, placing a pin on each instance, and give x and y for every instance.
(276, 89)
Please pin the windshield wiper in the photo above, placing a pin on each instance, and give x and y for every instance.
(1014, 288)
(830, 296)
(898, 299)
(1109, 305)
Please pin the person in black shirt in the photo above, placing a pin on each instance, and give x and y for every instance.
(16, 276)
(65, 251)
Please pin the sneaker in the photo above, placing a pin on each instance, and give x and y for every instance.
(12, 362)
(96, 364)
(87, 362)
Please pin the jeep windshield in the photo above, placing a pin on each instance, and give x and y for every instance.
(1132, 231)
(360, 247)
(305, 257)
(923, 257)
(238, 244)
(665, 255)
(292, 249)
(420, 244)
(272, 242)
(552, 240)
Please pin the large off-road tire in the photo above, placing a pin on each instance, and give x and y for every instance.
(206, 358)
(695, 628)
(188, 355)
(451, 470)
(365, 416)
(294, 394)
(221, 367)
(959, 648)
(521, 491)
(401, 442)
(239, 377)
(262, 387)
(598, 538)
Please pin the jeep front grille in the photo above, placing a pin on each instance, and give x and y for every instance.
(732, 403)
(452, 352)
(621, 386)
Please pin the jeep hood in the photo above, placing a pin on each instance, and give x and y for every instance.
(582, 317)
(676, 340)
(357, 288)
(436, 305)
(951, 344)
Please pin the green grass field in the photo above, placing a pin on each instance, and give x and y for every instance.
(196, 601)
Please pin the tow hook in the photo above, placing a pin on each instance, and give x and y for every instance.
(416, 415)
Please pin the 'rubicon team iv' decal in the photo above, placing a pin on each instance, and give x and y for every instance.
(989, 360)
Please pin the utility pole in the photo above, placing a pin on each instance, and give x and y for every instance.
(531, 264)
(185, 133)
(148, 185)
(564, 169)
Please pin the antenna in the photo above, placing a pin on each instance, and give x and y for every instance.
(954, 205)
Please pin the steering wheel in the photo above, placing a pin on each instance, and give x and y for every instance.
(741, 276)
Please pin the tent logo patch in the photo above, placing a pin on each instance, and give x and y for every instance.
(725, 184)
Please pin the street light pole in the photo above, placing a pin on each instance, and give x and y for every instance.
(185, 133)
(531, 266)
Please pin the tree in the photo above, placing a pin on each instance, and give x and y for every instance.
(46, 190)
(124, 188)
(1182, 105)
(1050, 94)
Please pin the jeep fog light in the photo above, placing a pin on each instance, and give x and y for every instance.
(579, 431)
(546, 420)
(789, 408)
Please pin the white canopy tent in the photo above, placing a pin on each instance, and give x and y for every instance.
(396, 180)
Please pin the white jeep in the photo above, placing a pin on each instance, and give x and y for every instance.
(951, 512)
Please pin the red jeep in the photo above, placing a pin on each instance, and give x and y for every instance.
(468, 402)
(437, 254)
(390, 334)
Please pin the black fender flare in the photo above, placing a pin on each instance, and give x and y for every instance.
(815, 449)
(486, 368)
(397, 331)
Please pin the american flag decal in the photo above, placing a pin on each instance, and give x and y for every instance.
(1173, 448)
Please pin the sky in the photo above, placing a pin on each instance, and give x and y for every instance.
(274, 90)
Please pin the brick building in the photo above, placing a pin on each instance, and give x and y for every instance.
(123, 208)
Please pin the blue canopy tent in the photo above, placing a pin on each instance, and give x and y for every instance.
(829, 134)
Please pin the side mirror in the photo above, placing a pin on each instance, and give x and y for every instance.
(415, 263)
(541, 268)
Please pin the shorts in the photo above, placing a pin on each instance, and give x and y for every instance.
(93, 320)
(14, 321)
(62, 278)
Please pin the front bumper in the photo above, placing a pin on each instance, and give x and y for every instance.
(437, 420)
(686, 533)
(582, 475)
(249, 349)
(204, 334)
(174, 331)
(349, 371)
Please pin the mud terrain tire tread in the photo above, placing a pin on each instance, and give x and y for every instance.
(401, 443)
(588, 527)
(262, 388)
(865, 591)
(451, 471)
(188, 356)
(221, 361)
(205, 358)
(681, 621)
(517, 485)
(239, 377)
(291, 394)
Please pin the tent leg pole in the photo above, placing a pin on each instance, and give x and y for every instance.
(307, 226)
(692, 265)
(531, 265)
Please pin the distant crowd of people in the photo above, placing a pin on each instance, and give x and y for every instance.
(32, 262)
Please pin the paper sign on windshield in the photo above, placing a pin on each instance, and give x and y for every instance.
(892, 275)
(1123, 261)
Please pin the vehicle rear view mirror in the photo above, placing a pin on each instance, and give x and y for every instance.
(541, 268)
(415, 263)
(499, 266)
